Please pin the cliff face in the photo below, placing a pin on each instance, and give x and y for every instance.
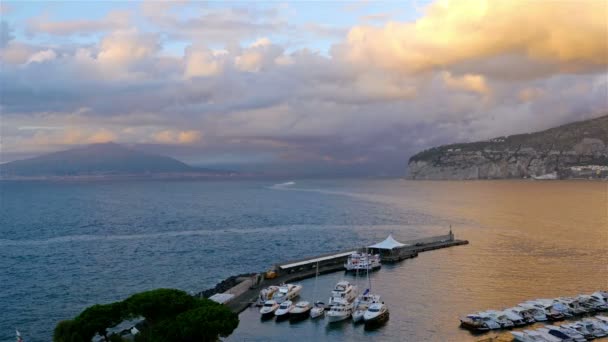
(576, 150)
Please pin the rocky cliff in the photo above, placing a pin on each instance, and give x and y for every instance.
(576, 150)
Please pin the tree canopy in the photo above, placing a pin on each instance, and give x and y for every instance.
(170, 316)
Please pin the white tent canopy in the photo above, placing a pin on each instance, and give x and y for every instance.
(388, 243)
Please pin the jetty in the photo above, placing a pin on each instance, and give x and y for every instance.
(240, 296)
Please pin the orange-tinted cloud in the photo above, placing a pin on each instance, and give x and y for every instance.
(570, 34)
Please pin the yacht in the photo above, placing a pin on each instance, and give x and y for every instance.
(268, 309)
(595, 329)
(514, 317)
(317, 310)
(300, 311)
(533, 336)
(266, 294)
(568, 334)
(551, 313)
(478, 322)
(581, 329)
(538, 314)
(363, 262)
(283, 311)
(287, 292)
(573, 305)
(362, 303)
(499, 317)
(592, 304)
(339, 312)
(375, 315)
(524, 313)
(601, 297)
(343, 293)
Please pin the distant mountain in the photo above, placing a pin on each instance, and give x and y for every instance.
(575, 150)
(107, 159)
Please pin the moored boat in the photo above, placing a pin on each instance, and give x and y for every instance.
(286, 292)
(283, 311)
(363, 262)
(268, 309)
(376, 315)
(343, 293)
(339, 312)
(318, 310)
(300, 311)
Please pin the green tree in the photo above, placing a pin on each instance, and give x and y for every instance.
(69, 331)
(98, 318)
(159, 304)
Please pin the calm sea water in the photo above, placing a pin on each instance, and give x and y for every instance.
(67, 245)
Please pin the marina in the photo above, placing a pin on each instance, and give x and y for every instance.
(248, 291)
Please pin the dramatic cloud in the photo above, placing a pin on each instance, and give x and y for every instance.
(260, 88)
(569, 36)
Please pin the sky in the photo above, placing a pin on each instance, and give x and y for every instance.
(295, 88)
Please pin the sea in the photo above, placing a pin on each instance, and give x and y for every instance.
(67, 245)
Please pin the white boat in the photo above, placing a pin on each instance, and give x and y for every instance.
(317, 310)
(526, 314)
(283, 311)
(499, 317)
(319, 307)
(514, 317)
(300, 311)
(533, 336)
(546, 307)
(573, 305)
(581, 329)
(343, 293)
(268, 309)
(595, 329)
(339, 312)
(362, 303)
(547, 176)
(538, 313)
(266, 294)
(568, 334)
(479, 323)
(375, 315)
(287, 292)
(362, 262)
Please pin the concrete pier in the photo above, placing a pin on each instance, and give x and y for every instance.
(246, 292)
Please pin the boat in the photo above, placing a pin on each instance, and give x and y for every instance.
(479, 323)
(533, 336)
(538, 314)
(339, 312)
(550, 312)
(343, 293)
(362, 262)
(300, 311)
(573, 305)
(547, 176)
(375, 315)
(526, 314)
(266, 294)
(362, 303)
(268, 309)
(581, 329)
(514, 317)
(597, 330)
(286, 292)
(282, 312)
(317, 310)
(565, 334)
(319, 307)
(499, 317)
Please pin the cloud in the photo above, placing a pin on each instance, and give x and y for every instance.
(530, 94)
(202, 62)
(457, 31)
(41, 56)
(468, 82)
(124, 47)
(114, 20)
(178, 137)
(101, 136)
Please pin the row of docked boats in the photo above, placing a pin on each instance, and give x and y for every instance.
(579, 331)
(539, 310)
(344, 303)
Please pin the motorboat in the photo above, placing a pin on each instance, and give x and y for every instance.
(547, 307)
(300, 311)
(533, 336)
(573, 305)
(592, 304)
(555, 333)
(266, 294)
(526, 314)
(287, 292)
(375, 315)
(601, 297)
(561, 308)
(565, 333)
(599, 324)
(538, 313)
(514, 317)
(499, 317)
(478, 322)
(343, 293)
(339, 312)
(268, 309)
(362, 262)
(362, 303)
(602, 318)
(581, 329)
(282, 312)
(317, 310)
(594, 328)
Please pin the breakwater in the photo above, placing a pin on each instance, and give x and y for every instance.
(246, 287)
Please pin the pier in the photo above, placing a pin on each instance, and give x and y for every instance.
(247, 290)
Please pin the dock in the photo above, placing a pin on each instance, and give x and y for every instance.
(246, 292)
